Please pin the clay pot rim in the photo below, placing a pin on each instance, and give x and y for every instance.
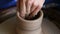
(41, 15)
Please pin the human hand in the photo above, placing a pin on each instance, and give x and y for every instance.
(29, 7)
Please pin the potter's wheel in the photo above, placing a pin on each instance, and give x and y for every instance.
(8, 27)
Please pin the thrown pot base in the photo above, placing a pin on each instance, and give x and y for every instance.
(38, 31)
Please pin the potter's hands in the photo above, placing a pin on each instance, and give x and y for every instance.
(29, 7)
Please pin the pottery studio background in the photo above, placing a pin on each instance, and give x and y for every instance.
(51, 10)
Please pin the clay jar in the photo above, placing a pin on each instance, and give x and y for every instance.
(33, 26)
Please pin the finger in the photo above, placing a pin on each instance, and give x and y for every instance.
(22, 8)
(22, 14)
(33, 7)
(35, 12)
(28, 6)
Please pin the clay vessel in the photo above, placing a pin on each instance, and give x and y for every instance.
(33, 26)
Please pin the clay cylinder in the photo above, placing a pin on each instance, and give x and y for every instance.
(29, 26)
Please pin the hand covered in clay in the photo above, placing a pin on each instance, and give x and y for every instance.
(29, 8)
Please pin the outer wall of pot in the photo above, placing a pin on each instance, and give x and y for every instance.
(29, 26)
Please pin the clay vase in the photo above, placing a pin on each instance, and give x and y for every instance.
(29, 26)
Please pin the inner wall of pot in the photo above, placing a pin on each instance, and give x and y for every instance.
(35, 17)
